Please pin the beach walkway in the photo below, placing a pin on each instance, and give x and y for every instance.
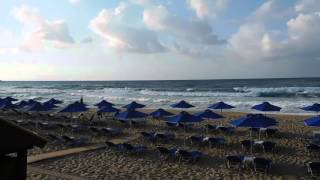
(57, 154)
(66, 152)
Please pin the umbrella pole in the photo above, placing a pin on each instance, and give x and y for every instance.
(251, 144)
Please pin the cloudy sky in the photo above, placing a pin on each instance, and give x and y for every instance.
(158, 39)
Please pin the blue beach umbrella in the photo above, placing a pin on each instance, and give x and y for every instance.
(49, 105)
(7, 105)
(103, 103)
(254, 121)
(108, 109)
(314, 107)
(37, 107)
(208, 114)
(314, 121)
(53, 101)
(4, 102)
(31, 102)
(160, 113)
(10, 99)
(74, 108)
(220, 105)
(130, 114)
(182, 104)
(184, 117)
(22, 104)
(133, 105)
(266, 106)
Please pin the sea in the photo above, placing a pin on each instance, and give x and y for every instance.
(288, 93)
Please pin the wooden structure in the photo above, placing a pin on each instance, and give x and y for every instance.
(14, 144)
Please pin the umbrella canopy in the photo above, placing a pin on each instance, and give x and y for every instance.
(8, 105)
(159, 113)
(266, 106)
(130, 114)
(220, 105)
(184, 117)
(49, 105)
(31, 102)
(255, 121)
(103, 103)
(75, 107)
(133, 105)
(108, 109)
(22, 104)
(182, 104)
(314, 121)
(53, 101)
(208, 114)
(10, 99)
(314, 107)
(37, 107)
(4, 102)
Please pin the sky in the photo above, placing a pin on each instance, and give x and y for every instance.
(158, 39)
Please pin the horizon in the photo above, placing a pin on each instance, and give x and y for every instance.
(160, 79)
(144, 40)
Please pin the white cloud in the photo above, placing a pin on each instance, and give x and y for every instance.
(208, 8)
(189, 36)
(122, 7)
(141, 2)
(305, 6)
(74, 1)
(254, 41)
(38, 32)
(122, 37)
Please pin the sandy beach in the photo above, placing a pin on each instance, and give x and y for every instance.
(288, 161)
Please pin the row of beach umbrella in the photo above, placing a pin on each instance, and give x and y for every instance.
(131, 113)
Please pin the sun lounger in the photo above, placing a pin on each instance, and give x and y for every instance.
(234, 161)
(54, 138)
(72, 141)
(196, 140)
(227, 130)
(213, 141)
(164, 136)
(77, 127)
(262, 165)
(247, 145)
(134, 149)
(187, 156)
(60, 125)
(211, 127)
(313, 168)
(114, 146)
(148, 136)
(312, 148)
(111, 131)
(165, 153)
(172, 125)
(95, 130)
(268, 146)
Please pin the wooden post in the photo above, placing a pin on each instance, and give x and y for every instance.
(22, 164)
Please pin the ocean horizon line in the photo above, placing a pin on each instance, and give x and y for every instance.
(139, 80)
